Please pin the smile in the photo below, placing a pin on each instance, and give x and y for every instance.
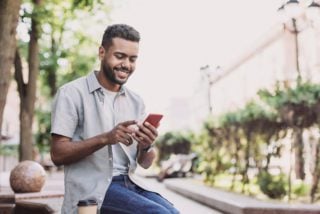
(122, 70)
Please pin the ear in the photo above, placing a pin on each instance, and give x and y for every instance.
(102, 52)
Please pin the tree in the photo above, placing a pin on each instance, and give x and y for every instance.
(9, 15)
(27, 91)
(37, 19)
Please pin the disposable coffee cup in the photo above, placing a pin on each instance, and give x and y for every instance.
(88, 206)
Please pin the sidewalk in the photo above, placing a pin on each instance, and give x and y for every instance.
(226, 202)
(234, 203)
(54, 186)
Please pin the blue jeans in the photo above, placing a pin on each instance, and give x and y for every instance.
(125, 197)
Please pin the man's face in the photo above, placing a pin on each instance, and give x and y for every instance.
(119, 60)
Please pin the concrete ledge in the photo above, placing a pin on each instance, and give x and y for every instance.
(7, 202)
(233, 203)
(7, 208)
(36, 195)
(7, 198)
(26, 207)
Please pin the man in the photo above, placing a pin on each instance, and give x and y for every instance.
(96, 136)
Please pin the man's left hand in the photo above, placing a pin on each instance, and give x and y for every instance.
(145, 135)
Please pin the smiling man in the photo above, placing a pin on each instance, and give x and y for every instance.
(93, 134)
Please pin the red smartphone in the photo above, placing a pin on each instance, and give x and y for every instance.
(154, 119)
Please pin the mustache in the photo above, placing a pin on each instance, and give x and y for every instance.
(123, 69)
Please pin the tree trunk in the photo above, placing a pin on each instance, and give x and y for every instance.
(9, 16)
(298, 151)
(237, 142)
(245, 177)
(52, 70)
(316, 170)
(27, 91)
(269, 154)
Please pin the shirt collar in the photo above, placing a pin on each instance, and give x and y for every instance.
(94, 85)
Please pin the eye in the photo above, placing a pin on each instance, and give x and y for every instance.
(133, 59)
(119, 55)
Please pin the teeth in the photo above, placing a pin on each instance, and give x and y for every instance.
(123, 71)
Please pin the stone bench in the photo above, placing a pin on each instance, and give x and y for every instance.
(29, 207)
(47, 201)
(7, 202)
(233, 203)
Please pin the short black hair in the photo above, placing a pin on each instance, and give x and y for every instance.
(119, 31)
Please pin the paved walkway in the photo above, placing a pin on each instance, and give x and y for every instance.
(187, 195)
(52, 194)
(235, 203)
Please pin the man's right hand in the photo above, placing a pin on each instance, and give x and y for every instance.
(121, 133)
(65, 151)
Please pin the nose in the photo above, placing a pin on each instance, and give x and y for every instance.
(125, 63)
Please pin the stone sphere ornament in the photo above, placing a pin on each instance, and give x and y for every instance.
(27, 176)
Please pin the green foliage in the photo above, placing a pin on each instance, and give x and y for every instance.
(79, 64)
(254, 111)
(84, 3)
(252, 116)
(274, 186)
(43, 136)
(173, 143)
(213, 155)
(297, 106)
(8, 150)
(230, 119)
(300, 189)
(304, 93)
(249, 137)
(62, 44)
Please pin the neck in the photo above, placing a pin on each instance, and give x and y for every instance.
(106, 83)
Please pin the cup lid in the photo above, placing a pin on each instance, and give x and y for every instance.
(87, 202)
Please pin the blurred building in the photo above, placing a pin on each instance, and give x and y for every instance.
(281, 54)
(288, 50)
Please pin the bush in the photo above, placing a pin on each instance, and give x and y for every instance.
(9, 150)
(173, 143)
(300, 188)
(274, 186)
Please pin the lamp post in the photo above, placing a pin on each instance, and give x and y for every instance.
(206, 70)
(211, 75)
(296, 18)
(291, 14)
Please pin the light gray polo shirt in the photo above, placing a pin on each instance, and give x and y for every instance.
(78, 112)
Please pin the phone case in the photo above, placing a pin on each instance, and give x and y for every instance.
(154, 119)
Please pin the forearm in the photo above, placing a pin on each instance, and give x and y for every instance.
(145, 159)
(65, 152)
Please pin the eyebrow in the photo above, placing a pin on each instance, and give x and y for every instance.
(118, 52)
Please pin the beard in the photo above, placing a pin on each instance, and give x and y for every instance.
(110, 74)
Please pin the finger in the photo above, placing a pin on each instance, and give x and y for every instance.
(130, 140)
(151, 128)
(125, 130)
(126, 142)
(128, 123)
(144, 137)
(140, 141)
(127, 139)
(150, 131)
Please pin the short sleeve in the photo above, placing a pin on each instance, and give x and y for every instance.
(64, 117)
